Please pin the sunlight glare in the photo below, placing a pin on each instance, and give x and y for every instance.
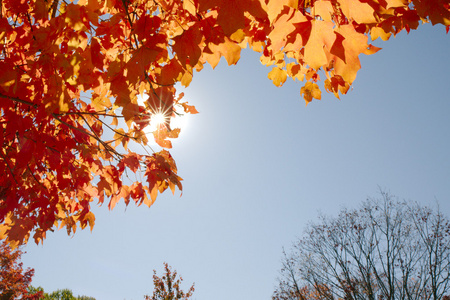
(156, 121)
(159, 119)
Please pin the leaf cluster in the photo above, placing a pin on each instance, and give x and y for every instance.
(72, 128)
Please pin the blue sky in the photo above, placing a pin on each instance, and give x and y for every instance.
(258, 165)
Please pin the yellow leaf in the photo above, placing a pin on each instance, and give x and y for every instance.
(294, 71)
(228, 49)
(378, 32)
(189, 5)
(278, 76)
(310, 91)
(114, 122)
(231, 51)
(119, 135)
(186, 79)
(100, 103)
(212, 57)
(238, 36)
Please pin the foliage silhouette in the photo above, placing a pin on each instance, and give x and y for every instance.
(386, 249)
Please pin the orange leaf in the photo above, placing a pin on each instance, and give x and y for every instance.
(189, 108)
(278, 76)
(310, 91)
(360, 12)
(228, 49)
(321, 36)
(190, 6)
(275, 7)
(90, 218)
(324, 9)
(378, 32)
(346, 49)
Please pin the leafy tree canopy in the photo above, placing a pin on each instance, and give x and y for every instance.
(72, 73)
(63, 294)
(168, 286)
(14, 280)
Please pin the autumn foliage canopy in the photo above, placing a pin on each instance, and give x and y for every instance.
(14, 280)
(71, 74)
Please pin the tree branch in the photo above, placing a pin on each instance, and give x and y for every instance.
(19, 100)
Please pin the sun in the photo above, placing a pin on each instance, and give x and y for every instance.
(157, 120)
(160, 119)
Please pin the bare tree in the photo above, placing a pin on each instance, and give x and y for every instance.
(386, 249)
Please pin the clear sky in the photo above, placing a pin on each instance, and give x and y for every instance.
(258, 165)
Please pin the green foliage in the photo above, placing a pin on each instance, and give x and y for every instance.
(63, 294)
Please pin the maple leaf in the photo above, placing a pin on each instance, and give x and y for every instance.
(276, 7)
(226, 48)
(321, 36)
(130, 160)
(189, 108)
(310, 91)
(324, 9)
(289, 21)
(378, 32)
(231, 16)
(278, 76)
(360, 12)
(187, 45)
(438, 11)
(345, 51)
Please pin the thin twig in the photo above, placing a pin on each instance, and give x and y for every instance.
(9, 167)
(19, 100)
(32, 174)
(118, 132)
(73, 127)
(108, 148)
(88, 113)
(54, 7)
(125, 6)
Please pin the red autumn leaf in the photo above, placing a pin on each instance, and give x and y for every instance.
(187, 46)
